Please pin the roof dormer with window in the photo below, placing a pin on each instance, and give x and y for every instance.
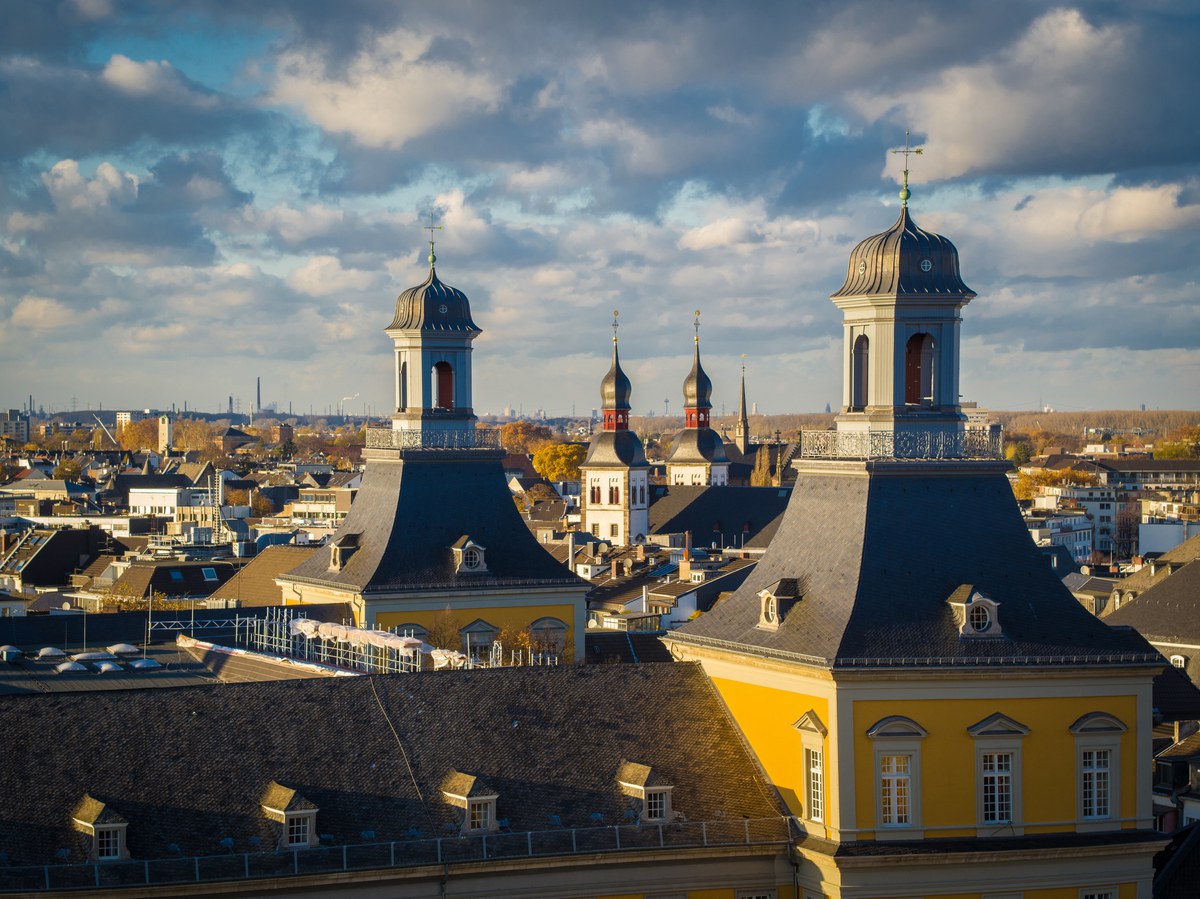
(642, 783)
(105, 827)
(296, 816)
(470, 793)
(777, 600)
(975, 613)
(468, 556)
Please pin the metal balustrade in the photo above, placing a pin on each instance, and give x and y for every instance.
(446, 850)
(466, 439)
(900, 445)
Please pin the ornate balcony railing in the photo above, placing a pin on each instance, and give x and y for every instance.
(473, 439)
(900, 445)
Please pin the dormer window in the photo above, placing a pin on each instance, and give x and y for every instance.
(106, 828)
(777, 600)
(477, 800)
(341, 549)
(296, 816)
(641, 782)
(468, 556)
(975, 613)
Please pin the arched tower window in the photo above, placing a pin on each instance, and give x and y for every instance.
(859, 372)
(443, 383)
(918, 371)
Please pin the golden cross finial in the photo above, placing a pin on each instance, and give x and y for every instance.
(615, 314)
(431, 227)
(743, 364)
(697, 326)
(906, 152)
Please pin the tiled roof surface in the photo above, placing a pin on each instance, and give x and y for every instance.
(1169, 610)
(879, 549)
(548, 740)
(719, 514)
(410, 512)
(255, 584)
(1164, 566)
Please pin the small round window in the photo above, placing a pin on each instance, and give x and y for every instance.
(862, 267)
(926, 265)
(769, 613)
(981, 618)
(471, 558)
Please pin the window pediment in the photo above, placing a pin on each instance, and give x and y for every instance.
(811, 723)
(468, 556)
(976, 614)
(896, 727)
(1098, 723)
(998, 725)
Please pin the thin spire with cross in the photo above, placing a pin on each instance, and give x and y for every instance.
(906, 152)
(614, 325)
(697, 326)
(431, 227)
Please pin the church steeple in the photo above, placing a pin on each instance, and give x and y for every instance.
(697, 389)
(741, 433)
(615, 390)
(698, 455)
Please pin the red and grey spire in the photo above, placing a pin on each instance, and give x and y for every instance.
(615, 390)
(697, 389)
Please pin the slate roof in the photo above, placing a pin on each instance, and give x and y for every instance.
(615, 449)
(698, 446)
(1164, 565)
(254, 585)
(123, 483)
(332, 741)
(717, 513)
(420, 308)
(159, 576)
(879, 548)
(1168, 611)
(410, 510)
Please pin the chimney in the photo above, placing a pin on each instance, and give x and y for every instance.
(615, 567)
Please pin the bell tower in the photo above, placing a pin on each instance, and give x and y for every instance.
(698, 455)
(901, 313)
(432, 331)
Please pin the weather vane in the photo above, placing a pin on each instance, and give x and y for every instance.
(906, 152)
(697, 326)
(615, 314)
(431, 227)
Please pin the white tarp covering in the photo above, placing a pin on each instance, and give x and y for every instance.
(445, 658)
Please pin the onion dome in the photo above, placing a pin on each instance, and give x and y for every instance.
(615, 389)
(904, 261)
(697, 386)
(698, 446)
(433, 306)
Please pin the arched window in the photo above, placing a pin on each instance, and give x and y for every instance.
(443, 384)
(859, 372)
(918, 371)
(548, 635)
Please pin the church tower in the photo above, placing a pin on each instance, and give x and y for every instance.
(698, 455)
(432, 331)
(933, 705)
(433, 542)
(741, 432)
(615, 474)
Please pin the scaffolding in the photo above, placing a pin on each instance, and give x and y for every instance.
(289, 633)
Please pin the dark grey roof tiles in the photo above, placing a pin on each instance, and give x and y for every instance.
(1169, 610)
(616, 449)
(877, 550)
(410, 512)
(699, 446)
(433, 306)
(730, 516)
(217, 750)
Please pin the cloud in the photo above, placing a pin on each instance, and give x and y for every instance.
(70, 191)
(323, 276)
(41, 314)
(389, 93)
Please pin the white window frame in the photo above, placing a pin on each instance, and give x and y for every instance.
(292, 821)
(996, 735)
(1104, 892)
(897, 736)
(480, 815)
(656, 800)
(103, 833)
(1098, 732)
(812, 740)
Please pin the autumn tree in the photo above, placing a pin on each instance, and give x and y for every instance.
(559, 461)
(524, 436)
(1028, 484)
(68, 470)
(1183, 444)
(139, 434)
(192, 434)
(444, 630)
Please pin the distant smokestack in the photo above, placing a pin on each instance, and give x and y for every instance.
(258, 394)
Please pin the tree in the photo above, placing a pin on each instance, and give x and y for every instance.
(139, 434)
(68, 470)
(524, 436)
(1184, 444)
(192, 434)
(444, 630)
(1027, 485)
(559, 461)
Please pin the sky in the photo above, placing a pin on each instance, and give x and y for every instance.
(199, 194)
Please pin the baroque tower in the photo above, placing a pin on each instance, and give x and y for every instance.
(698, 455)
(615, 474)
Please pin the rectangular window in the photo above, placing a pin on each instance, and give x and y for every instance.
(297, 834)
(997, 787)
(656, 805)
(895, 773)
(814, 764)
(108, 844)
(1098, 894)
(1095, 782)
(210, 574)
(614, 530)
(479, 815)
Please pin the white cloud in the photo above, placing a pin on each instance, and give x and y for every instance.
(70, 190)
(152, 79)
(387, 94)
(323, 276)
(36, 313)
